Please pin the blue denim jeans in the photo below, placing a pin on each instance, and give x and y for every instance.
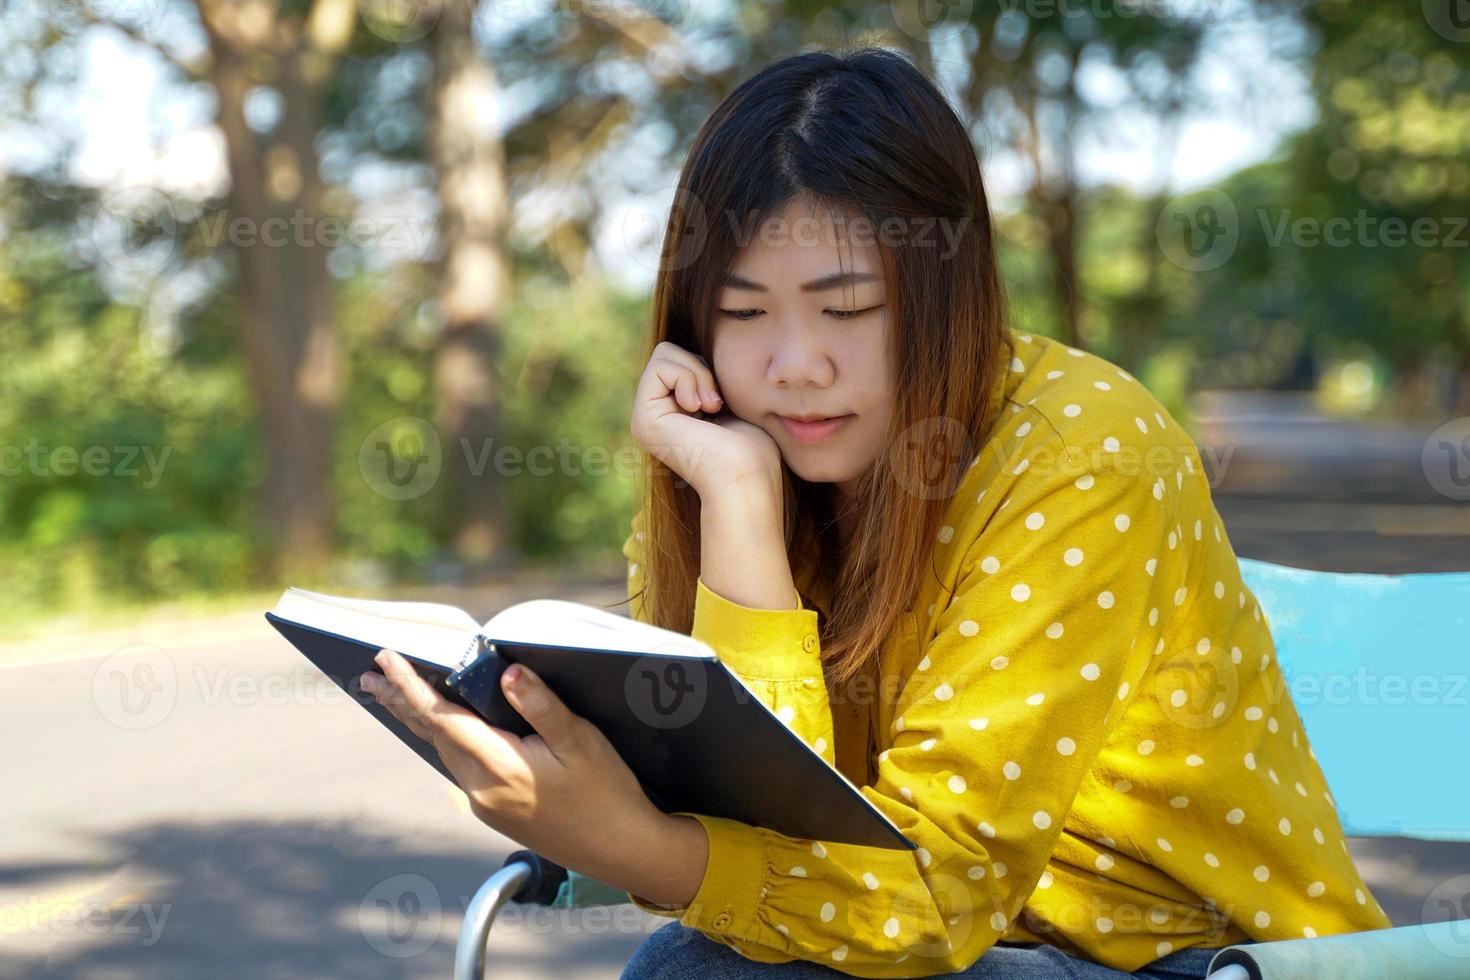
(677, 952)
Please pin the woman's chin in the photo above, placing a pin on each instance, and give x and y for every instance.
(816, 472)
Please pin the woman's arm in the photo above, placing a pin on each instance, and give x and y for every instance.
(734, 466)
(742, 553)
(667, 865)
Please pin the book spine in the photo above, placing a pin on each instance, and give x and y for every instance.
(472, 652)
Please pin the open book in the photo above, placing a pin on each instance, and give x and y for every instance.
(695, 736)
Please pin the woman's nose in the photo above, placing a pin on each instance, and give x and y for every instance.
(799, 361)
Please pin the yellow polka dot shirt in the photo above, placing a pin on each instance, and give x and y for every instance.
(1081, 723)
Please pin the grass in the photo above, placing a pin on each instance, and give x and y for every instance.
(31, 624)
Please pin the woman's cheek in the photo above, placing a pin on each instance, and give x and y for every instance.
(740, 410)
(732, 377)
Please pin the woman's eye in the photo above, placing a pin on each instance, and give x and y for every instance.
(741, 314)
(849, 314)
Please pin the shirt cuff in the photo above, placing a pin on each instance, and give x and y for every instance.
(735, 881)
(758, 644)
(672, 911)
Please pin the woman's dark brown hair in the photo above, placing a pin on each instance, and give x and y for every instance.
(862, 133)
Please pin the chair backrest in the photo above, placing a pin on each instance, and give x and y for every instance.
(1378, 667)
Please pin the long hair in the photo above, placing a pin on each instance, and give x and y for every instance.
(864, 133)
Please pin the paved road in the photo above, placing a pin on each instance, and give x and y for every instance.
(233, 824)
(1298, 488)
(231, 817)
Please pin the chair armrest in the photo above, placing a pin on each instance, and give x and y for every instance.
(543, 882)
(552, 885)
(479, 916)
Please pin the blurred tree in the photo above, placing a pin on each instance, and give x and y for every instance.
(276, 203)
(286, 296)
(1389, 162)
(125, 451)
(469, 163)
(1024, 85)
(1352, 241)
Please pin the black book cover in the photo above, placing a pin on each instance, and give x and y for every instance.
(693, 734)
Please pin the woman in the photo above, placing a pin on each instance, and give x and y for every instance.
(1072, 702)
(978, 571)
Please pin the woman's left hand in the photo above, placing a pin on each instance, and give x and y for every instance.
(563, 792)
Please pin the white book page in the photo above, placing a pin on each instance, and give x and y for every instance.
(429, 631)
(557, 622)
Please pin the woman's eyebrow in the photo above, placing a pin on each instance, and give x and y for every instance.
(834, 281)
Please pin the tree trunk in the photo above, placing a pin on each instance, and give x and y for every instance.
(285, 295)
(1059, 215)
(470, 163)
(1053, 196)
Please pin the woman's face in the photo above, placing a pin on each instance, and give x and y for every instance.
(797, 334)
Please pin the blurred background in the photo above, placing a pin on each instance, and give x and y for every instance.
(351, 294)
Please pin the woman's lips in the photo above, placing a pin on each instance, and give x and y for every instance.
(810, 432)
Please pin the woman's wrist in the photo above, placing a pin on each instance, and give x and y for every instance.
(748, 495)
(742, 554)
(689, 856)
(671, 856)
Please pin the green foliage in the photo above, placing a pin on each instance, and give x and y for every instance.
(571, 362)
(130, 442)
(564, 460)
(122, 460)
(165, 504)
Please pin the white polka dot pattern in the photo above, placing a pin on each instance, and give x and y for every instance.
(1067, 678)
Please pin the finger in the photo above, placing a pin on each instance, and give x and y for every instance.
(674, 352)
(663, 378)
(673, 380)
(436, 713)
(558, 727)
(679, 355)
(709, 391)
(687, 392)
(389, 696)
(658, 380)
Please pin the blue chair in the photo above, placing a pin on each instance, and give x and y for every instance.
(1378, 667)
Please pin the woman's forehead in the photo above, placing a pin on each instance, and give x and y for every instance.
(808, 249)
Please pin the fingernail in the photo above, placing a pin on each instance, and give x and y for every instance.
(513, 675)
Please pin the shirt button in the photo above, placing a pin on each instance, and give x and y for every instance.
(809, 642)
(722, 920)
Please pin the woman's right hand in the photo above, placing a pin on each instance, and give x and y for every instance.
(679, 418)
